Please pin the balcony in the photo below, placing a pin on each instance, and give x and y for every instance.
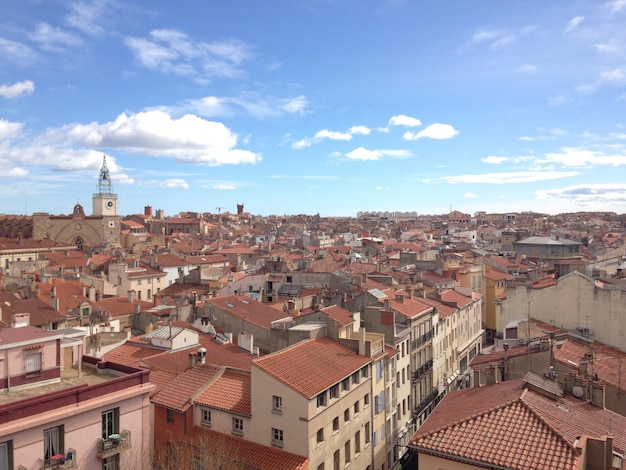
(417, 342)
(422, 370)
(67, 460)
(426, 401)
(113, 445)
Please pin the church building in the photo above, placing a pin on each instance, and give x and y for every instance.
(98, 231)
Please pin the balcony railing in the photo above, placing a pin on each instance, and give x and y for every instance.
(113, 444)
(422, 370)
(68, 460)
(417, 342)
(426, 401)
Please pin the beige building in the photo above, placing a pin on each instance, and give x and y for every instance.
(136, 279)
(97, 231)
(575, 303)
(316, 399)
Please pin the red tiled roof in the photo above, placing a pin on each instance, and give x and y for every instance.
(310, 366)
(498, 276)
(231, 392)
(236, 452)
(340, 315)
(247, 309)
(507, 425)
(607, 361)
(177, 395)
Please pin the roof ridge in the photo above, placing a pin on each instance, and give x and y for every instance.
(538, 416)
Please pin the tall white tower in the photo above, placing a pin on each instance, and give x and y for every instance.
(105, 200)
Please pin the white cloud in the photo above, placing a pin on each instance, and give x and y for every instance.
(9, 129)
(613, 46)
(295, 105)
(224, 187)
(189, 139)
(171, 51)
(616, 76)
(17, 89)
(362, 153)
(617, 5)
(252, 104)
(362, 130)
(579, 157)
(88, 16)
(402, 120)
(470, 196)
(505, 177)
(590, 196)
(494, 160)
(496, 39)
(434, 131)
(175, 183)
(54, 39)
(16, 51)
(528, 68)
(571, 24)
(330, 135)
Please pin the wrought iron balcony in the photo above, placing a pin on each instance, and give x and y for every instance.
(422, 370)
(113, 444)
(67, 460)
(426, 401)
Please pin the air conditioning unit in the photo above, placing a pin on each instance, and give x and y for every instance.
(521, 341)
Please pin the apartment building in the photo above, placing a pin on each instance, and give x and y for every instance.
(137, 277)
(318, 398)
(63, 410)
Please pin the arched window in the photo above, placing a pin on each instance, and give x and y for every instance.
(79, 243)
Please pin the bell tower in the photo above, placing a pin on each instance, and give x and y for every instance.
(104, 199)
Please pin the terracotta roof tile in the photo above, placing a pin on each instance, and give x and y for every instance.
(236, 452)
(231, 392)
(245, 308)
(311, 366)
(177, 395)
(511, 426)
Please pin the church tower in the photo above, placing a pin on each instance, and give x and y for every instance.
(105, 200)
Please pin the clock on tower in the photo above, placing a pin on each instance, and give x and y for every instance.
(104, 199)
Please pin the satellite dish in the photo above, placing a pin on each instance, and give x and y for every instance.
(577, 391)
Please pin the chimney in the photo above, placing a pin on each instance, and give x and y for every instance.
(54, 291)
(131, 296)
(98, 296)
(55, 303)
(491, 375)
(476, 371)
(598, 393)
(84, 290)
(361, 341)
(92, 293)
(400, 298)
(192, 360)
(137, 308)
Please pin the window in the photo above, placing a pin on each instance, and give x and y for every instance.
(355, 378)
(336, 459)
(85, 312)
(345, 384)
(277, 437)
(170, 416)
(138, 295)
(334, 391)
(379, 403)
(110, 422)
(336, 424)
(32, 362)
(289, 279)
(357, 442)
(6, 455)
(206, 417)
(238, 426)
(111, 463)
(375, 440)
(346, 415)
(356, 407)
(367, 433)
(320, 466)
(277, 403)
(346, 453)
(320, 435)
(379, 371)
(149, 293)
(364, 372)
(366, 399)
(321, 399)
(53, 443)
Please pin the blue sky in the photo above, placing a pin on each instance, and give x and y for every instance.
(317, 106)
